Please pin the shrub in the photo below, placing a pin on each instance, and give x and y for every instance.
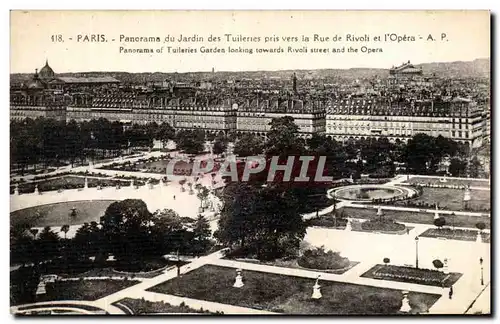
(439, 222)
(387, 260)
(319, 259)
(481, 226)
(438, 264)
(382, 225)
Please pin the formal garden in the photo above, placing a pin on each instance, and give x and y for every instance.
(413, 275)
(135, 306)
(289, 294)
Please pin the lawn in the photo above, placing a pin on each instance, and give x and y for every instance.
(412, 275)
(144, 307)
(452, 199)
(83, 289)
(449, 182)
(455, 234)
(417, 217)
(59, 214)
(289, 294)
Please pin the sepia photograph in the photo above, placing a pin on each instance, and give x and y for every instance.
(250, 163)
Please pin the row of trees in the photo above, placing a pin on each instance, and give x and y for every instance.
(49, 141)
(127, 230)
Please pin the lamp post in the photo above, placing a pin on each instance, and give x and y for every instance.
(482, 277)
(416, 252)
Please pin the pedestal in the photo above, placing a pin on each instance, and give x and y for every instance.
(37, 192)
(479, 238)
(16, 190)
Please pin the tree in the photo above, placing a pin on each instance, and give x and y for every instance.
(437, 264)
(65, 229)
(165, 133)
(248, 145)
(387, 261)
(264, 221)
(48, 244)
(190, 142)
(202, 194)
(283, 139)
(201, 235)
(220, 146)
(127, 225)
(480, 226)
(475, 167)
(439, 222)
(457, 167)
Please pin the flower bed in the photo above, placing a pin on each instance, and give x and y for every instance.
(412, 275)
(327, 221)
(384, 225)
(144, 307)
(454, 234)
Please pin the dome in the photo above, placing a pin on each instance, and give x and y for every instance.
(46, 72)
(35, 83)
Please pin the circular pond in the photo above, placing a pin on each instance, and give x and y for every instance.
(369, 192)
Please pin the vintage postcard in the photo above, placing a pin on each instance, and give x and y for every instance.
(250, 162)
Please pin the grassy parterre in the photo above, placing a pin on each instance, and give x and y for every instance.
(452, 199)
(289, 294)
(58, 214)
(68, 182)
(452, 182)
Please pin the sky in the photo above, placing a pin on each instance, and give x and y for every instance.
(35, 38)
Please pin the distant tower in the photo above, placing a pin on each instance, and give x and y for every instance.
(294, 82)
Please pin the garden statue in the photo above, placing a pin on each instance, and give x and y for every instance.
(316, 290)
(348, 226)
(479, 238)
(16, 190)
(161, 183)
(118, 186)
(467, 196)
(238, 283)
(380, 213)
(436, 213)
(36, 190)
(445, 266)
(86, 184)
(405, 307)
(132, 183)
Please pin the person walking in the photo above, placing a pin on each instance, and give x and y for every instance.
(450, 294)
